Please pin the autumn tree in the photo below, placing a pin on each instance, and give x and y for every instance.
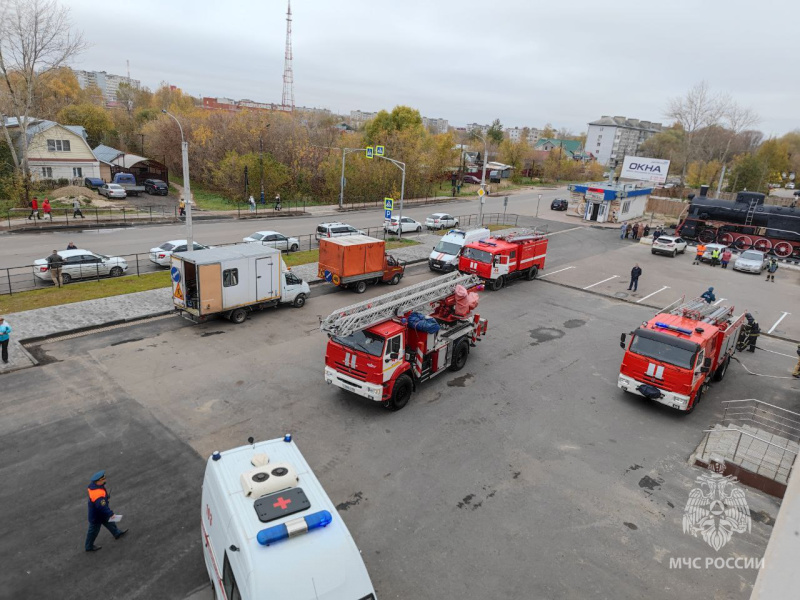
(94, 119)
(514, 154)
(495, 132)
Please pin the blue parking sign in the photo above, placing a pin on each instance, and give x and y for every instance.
(387, 214)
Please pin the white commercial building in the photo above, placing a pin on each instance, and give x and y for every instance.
(108, 83)
(610, 139)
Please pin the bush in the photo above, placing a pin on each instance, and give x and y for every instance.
(63, 182)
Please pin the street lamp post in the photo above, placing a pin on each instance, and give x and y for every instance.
(483, 178)
(537, 205)
(187, 190)
(402, 167)
(261, 162)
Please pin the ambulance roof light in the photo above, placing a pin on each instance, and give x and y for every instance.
(276, 533)
(673, 328)
(216, 455)
(287, 438)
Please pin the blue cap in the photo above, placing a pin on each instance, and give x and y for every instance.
(98, 475)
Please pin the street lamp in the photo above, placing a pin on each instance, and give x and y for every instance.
(187, 191)
(402, 167)
(537, 205)
(483, 178)
(261, 161)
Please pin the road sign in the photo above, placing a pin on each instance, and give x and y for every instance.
(370, 151)
(379, 150)
(505, 201)
(387, 214)
(481, 192)
(175, 273)
(178, 295)
(388, 204)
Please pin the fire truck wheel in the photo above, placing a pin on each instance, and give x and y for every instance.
(361, 287)
(238, 316)
(696, 401)
(460, 355)
(531, 273)
(719, 374)
(498, 283)
(401, 393)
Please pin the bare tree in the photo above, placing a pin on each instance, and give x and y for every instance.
(695, 112)
(737, 119)
(35, 39)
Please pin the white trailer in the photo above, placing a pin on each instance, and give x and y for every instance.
(232, 280)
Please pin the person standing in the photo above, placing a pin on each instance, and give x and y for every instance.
(771, 268)
(46, 208)
(5, 334)
(795, 373)
(708, 295)
(628, 230)
(277, 201)
(715, 254)
(100, 512)
(700, 250)
(34, 209)
(749, 334)
(657, 233)
(635, 231)
(622, 229)
(252, 202)
(76, 209)
(636, 272)
(72, 246)
(55, 263)
(646, 231)
(182, 208)
(726, 258)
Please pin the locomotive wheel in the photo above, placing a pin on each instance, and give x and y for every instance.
(725, 238)
(743, 242)
(762, 244)
(707, 236)
(783, 249)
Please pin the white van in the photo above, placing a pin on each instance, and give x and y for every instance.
(270, 531)
(445, 254)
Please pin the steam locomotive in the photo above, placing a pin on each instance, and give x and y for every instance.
(743, 223)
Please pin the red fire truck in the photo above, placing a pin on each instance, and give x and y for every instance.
(496, 260)
(383, 347)
(672, 357)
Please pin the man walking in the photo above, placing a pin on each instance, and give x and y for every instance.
(277, 201)
(708, 295)
(252, 202)
(795, 373)
(76, 209)
(700, 250)
(5, 334)
(182, 208)
(55, 262)
(771, 268)
(46, 208)
(726, 258)
(636, 272)
(715, 254)
(34, 209)
(100, 512)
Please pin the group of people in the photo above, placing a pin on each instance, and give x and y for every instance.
(722, 256)
(638, 231)
(48, 210)
(278, 205)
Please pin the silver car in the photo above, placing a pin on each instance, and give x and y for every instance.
(112, 190)
(273, 239)
(81, 264)
(751, 261)
(441, 221)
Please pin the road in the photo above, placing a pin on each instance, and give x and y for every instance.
(21, 249)
(528, 474)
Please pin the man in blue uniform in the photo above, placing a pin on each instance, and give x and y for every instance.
(100, 512)
(708, 295)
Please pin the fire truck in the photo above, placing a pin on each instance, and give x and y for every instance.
(672, 358)
(496, 260)
(383, 348)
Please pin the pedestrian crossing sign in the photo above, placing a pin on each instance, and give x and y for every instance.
(388, 204)
(370, 151)
(379, 150)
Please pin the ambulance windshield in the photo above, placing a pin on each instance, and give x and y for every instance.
(447, 248)
(665, 348)
(364, 341)
(479, 255)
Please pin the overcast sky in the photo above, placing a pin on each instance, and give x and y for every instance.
(526, 62)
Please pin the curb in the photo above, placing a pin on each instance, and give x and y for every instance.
(43, 338)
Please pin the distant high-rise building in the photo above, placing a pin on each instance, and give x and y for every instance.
(514, 134)
(108, 83)
(359, 117)
(610, 139)
(435, 125)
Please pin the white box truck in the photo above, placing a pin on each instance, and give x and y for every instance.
(270, 530)
(232, 280)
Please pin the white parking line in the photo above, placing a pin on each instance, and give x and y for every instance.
(599, 282)
(666, 287)
(783, 316)
(718, 301)
(565, 230)
(554, 272)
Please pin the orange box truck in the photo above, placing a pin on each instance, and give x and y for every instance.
(354, 261)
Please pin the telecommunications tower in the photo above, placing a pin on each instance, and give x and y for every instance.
(288, 76)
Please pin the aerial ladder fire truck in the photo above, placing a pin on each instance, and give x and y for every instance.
(672, 358)
(383, 348)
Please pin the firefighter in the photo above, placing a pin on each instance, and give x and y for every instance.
(701, 248)
(100, 512)
(708, 295)
(749, 334)
(796, 372)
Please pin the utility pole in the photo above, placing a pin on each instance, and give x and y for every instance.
(187, 190)
(483, 178)
(141, 134)
(261, 164)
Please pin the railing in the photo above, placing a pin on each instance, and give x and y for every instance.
(762, 415)
(20, 218)
(773, 461)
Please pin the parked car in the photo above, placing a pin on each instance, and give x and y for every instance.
(494, 176)
(790, 186)
(112, 190)
(441, 221)
(668, 244)
(128, 182)
(471, 179)
(797, 193)
(751, 261)
(408, 225)
(93, 182)
(162, 254)
(156, 187)
(709, 249)
(82, 264)
(274, 240)
(326, 230)
(559, 204)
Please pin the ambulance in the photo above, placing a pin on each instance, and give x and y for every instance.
(270, 531)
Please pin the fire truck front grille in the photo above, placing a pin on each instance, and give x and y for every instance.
(355, 373)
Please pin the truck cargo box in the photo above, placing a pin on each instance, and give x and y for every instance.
(352, 255)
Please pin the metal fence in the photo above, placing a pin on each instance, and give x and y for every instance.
(21, 218)
(31, 277)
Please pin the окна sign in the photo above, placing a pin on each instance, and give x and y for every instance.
(645, 169)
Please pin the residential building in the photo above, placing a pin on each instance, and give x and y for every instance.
(610, 139)
(232, 105)
(568, 148)
(359, 117)
(108, 83)
(516, 134)
(482, 129)
(435, 125)
(55, 151)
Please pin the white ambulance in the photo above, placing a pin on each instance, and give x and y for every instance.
(445, 254)
(270, 530)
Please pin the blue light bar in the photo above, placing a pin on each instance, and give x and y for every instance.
(673, 328)
(276, 533)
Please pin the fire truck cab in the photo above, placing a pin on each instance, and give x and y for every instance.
(383, 348)
(671, 358)
(496, 260)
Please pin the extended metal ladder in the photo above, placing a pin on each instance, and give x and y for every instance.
(748, 220)
(350, 319)
(700, 310)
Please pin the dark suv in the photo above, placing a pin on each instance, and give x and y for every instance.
(559, 204)
(156, 187)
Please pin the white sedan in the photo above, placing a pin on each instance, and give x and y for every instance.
(751, 261)
(162, 255)
(441, 221)
(408, 225)
(669, 244)
(273, 239)
(81, 264)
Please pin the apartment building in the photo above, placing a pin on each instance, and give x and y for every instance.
(517, 134)
(610, 139)
(436, 125)
(107, 82)
(359, 117)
